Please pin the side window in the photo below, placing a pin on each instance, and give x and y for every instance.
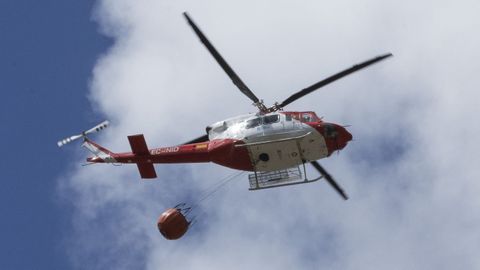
(271, 119)
(254, 122)
(306, 117)
(288, 117)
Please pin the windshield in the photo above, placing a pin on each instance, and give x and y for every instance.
(330, 131)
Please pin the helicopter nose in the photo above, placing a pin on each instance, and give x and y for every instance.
(335, 135)
(343, 137)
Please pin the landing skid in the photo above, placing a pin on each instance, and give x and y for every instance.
(279, 178)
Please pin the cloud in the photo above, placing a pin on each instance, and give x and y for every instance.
(411, 171)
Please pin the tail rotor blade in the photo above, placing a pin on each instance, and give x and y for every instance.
(98, 127)
(68, 140)
(329, 179)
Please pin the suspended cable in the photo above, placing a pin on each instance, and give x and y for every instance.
(210, 191)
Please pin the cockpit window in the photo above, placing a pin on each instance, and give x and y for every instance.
(254, 122)
(330, 131)
(270, 119)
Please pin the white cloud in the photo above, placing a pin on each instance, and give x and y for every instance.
(411, 173)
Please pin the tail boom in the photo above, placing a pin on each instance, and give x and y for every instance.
(221, 151)
(190, 153)
(102, 155)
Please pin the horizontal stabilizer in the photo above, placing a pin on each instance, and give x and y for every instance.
(146, 170)
(138, 144)
(139, 147)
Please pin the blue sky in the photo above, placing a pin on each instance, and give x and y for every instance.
(48, 51)
(411, 171)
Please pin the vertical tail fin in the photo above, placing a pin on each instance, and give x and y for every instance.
(139, 147)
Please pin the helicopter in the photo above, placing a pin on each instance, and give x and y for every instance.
(273, 144)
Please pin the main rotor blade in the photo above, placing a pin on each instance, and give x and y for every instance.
(235, 79)
(332, 78)
(329, 179)
(200, 139)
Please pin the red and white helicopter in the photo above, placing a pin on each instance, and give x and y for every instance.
(273, 144)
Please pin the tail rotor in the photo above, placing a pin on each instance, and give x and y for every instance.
(95, 129)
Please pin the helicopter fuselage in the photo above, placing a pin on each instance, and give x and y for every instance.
(251, 142)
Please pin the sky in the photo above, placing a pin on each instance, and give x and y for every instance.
(410, 172)
(47, 52)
